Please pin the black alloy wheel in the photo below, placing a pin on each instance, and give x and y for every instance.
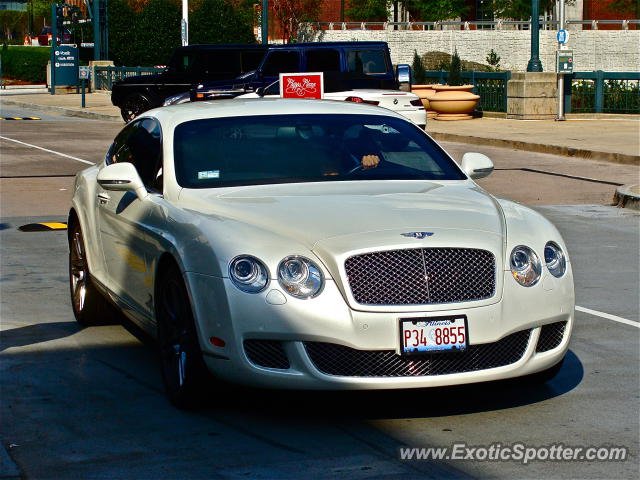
(184, 372)
(89, 305)
(134, 105)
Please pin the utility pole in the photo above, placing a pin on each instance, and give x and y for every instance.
(184, 24)
(535, 65)
(265, 22)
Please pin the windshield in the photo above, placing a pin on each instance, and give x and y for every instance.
(232, 151)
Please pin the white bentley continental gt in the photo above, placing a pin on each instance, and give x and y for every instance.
(314, 245)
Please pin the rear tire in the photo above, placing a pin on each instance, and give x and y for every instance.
(184, 373)
(133, 105)
(90, 307)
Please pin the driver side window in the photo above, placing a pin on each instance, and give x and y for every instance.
(140, 143)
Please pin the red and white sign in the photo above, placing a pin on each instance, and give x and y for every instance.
(302, 85)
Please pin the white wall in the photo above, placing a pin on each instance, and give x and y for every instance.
(608, 50)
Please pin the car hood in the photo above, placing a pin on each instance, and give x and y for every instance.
(319, 214)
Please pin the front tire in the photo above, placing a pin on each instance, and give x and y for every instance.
(133, 105)
(89, 305)
(544, 376)
(184, 372)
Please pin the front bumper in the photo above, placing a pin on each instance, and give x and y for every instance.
(223, 311)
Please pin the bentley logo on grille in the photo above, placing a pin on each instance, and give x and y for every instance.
(417, 235)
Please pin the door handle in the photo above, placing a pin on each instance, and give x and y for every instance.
(103, 198)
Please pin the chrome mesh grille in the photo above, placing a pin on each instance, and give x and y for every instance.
(550, 336)
(348, 362)
(397, 277)
(266, 353)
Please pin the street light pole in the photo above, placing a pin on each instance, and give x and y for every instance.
(535, 65)
(184, 24)
(265, 22)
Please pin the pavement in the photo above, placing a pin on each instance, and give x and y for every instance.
(615, 140)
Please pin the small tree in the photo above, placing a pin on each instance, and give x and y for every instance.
(291, 13)
(493, 60)
(418, 69)
(455, 79)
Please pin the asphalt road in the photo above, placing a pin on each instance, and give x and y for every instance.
(88, 403)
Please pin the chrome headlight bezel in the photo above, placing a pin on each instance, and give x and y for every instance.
(557, 265)
(525, 266)
(254, 281)
(311, 281)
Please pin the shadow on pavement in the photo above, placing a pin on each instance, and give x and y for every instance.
(36, 333)
(409, 403)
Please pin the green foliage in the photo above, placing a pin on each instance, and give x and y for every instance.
(149, 36)
(368, 10)
(216, 21)
(14, 24)
(627, 6)
(25, 63)
(455, 79)
(519, 9)
(493, 60)
(422, 10)
(418, 69)
(436, 10)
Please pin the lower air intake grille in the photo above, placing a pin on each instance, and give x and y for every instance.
(550, 336)
(343, 361)
(266, 353)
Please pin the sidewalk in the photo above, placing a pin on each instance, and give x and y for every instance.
(612, 140)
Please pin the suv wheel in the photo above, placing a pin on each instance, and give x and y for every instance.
(134, 105)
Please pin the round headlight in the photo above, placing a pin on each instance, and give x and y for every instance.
(300, 277)
(525, 266)
(555, 259)
(248, 274)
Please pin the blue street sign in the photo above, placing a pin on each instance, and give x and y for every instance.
(562, 36)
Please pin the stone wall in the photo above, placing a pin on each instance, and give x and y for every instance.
(607, 50)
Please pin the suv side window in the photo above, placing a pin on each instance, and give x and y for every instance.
(251, 60)
(281, 62)
(140, 143)
(190, 62)
(323, 60)
(367, 61)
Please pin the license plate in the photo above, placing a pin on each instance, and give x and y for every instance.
(435, 334)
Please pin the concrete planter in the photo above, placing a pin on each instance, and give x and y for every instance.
(423, 91)
(453, 102)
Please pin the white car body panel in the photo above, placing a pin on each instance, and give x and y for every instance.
(203, 229)
(393, 100)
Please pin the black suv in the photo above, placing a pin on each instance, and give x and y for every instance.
(188, 66)
(370, 60)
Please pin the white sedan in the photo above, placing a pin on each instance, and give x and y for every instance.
(406, 104)
(315, 245)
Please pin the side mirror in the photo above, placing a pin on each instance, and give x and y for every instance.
(260, 91)
(476, 165)
(403, 75)
(122, 177)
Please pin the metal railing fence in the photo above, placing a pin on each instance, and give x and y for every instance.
(491, 86)
(602, 92)
(106, 76)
